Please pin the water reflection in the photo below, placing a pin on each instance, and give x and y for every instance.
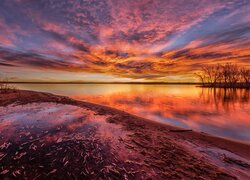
(221, 112)
(225, 98)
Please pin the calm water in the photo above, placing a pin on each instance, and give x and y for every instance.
(218, 112)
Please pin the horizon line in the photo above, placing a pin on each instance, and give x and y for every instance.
(91, 82)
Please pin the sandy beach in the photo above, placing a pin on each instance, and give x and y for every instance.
(49, 136)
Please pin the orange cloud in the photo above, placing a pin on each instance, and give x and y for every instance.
(147, 40)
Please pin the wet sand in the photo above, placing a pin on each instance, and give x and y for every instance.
(49, 136)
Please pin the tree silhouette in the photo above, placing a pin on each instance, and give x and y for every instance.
(227, 75)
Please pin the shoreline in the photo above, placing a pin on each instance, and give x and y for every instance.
(170, 151)
(170, 83)
(240, 86)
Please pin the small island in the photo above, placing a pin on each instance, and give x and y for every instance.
(224, 76)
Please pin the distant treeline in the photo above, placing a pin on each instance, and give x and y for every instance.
(5, 87)
(226, 76)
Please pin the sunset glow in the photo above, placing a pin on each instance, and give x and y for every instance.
(107, 41)
(125, 89)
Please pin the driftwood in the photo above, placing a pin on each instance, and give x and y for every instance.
(236, 161)
(180, 130)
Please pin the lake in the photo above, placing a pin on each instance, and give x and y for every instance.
(219, 112)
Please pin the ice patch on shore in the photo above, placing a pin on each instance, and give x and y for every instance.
(36, 118)
(230, 161)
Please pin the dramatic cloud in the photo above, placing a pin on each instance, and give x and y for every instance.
(148, 40)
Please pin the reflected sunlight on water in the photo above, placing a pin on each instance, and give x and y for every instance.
(219, 112)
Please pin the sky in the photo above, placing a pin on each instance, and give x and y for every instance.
(120, 40)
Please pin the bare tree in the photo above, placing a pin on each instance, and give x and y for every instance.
(227, 75)
(210, 75)
(245, 75)
(234, 74)
(5, 87)
(207, 70)
(201, 77)
(216, 74)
